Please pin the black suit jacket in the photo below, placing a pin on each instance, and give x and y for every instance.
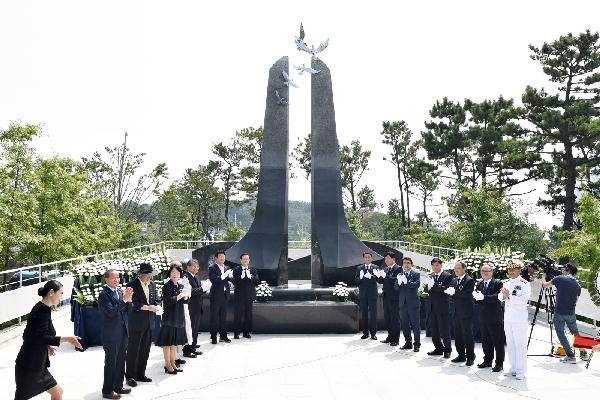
(195, 302)
(463, 296)
(490, 308)
(245, 289)
(219, 291)
(440, 301)
(139, 319)
(114, 315)
(38, 335)
(173, 314)
(367, 288)
(389, 292)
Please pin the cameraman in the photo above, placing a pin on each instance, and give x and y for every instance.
(567, 294)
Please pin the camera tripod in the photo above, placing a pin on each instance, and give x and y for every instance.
(548, 295)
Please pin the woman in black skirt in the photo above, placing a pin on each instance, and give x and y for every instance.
(39, 338)
(172, 327)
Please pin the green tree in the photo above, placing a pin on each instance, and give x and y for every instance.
(16, 177)
(116, 174)
(397, 135)
(582, 245)
(561, 122)
(353, 163)
(203, 200)
(493, 222)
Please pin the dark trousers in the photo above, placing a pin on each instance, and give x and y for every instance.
(368, 312)
(492, 338)
(242, 316)
(138, 350)
(195, 317)
(411, 320)
(114, 363)
(463, 337)
(440, 329)
(218, 317)
(391, 314)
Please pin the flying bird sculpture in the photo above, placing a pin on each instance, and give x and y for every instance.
(287, 80)
(302, 68)
(313, 50)
(281, 100)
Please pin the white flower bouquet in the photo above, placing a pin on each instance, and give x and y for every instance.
(263, 292)
(341, 291)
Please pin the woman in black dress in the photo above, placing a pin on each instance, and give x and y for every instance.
(172, 327)
(39, 338)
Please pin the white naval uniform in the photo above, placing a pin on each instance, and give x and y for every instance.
(516, 323)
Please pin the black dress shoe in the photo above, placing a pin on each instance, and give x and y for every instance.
(385, 341)
(144, 379)
(178, 370)
(196, 346)
(435, 352)
(497, 368)
(225, 339)
(111, 395)
(484, 365)
(236, 336)
(131, 382)
(365, 336)
(373, 337)
(122, 391)
(189, 355)
(447, 354)
(198, 353)
(470, 362)
(213, 340)
(179, 361)
(247, 336)
(417, 347)
(173, 372)
(458, 359)
(407, 346)
(394, 344)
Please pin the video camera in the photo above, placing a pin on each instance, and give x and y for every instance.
(547, 265)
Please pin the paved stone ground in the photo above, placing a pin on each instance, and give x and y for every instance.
(312, 367)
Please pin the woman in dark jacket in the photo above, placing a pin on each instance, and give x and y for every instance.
(39, 338)
(172, 327)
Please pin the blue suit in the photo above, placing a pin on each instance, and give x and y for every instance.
(367, 297)
(409, 305)
(114, 337)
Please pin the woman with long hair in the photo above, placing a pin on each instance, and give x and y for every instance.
(39, 340)
(172, 327)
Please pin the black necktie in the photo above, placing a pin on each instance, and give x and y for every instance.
(484, 287)
(435, 277)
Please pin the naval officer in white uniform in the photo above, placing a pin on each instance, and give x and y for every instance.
(515, 294)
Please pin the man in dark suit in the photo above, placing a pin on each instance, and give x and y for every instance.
(220, 276)
(141, 324)
(367, 295)
(461, 291)
(195, 307)
(391, 311)
(439, 316)
(491, 322)
(407, 284)
(114, 306)
(245, 280)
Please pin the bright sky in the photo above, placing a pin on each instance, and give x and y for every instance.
(180, 75)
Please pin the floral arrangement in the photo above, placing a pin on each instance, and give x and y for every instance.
(341, 291)
(90, 275)
(423, 294)
(475, 259)
(263, 291)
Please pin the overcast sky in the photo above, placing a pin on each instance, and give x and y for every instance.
(180, 75)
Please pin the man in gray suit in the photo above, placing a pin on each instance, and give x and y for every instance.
(407, 284)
